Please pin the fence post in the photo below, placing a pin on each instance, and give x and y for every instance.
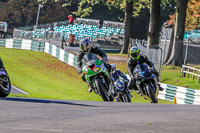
(182, 73)
(193, 75)
(164, 49)
(188, 73)
(186, 51)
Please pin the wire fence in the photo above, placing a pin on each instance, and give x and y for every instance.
(46, 25)
(190, 50)
(113, 24)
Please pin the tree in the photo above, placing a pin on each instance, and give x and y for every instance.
(130, 8)
(154, 25)
(128, 25)
(17, 13)
(176, 57)
(24, 12)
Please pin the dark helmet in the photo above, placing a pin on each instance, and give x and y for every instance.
(85, 42)
(135, 53)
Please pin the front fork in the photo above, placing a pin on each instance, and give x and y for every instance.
(156, 85)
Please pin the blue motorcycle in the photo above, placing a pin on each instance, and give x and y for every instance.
(146, 82)
(121, 87)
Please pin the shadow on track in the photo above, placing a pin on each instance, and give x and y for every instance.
(43, 101)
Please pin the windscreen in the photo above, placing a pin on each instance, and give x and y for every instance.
(141, 68)
(89, 59)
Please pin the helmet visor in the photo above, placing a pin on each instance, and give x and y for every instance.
(85, 44)
(134, 55)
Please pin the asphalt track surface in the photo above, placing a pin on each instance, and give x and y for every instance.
(20, 115)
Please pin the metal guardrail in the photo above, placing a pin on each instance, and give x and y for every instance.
(190, 70)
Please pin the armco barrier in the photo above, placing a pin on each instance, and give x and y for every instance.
(22, 44)
(183, 95)
(46, 47)
(59, 53)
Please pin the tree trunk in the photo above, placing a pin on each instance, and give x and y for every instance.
(176, 57)
(154, 25)
(128, 23)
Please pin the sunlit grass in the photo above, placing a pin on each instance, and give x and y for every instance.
(44, 76)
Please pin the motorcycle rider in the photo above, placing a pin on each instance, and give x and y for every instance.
(86, 47)
(137, 58)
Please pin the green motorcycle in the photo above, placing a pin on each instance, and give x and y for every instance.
(98, 76)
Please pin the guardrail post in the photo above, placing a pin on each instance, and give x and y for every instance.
(193, 75)
(182, 74)
(188, 73)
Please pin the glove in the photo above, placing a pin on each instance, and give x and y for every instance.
(155, 71)
(104, 59)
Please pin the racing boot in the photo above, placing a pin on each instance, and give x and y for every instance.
(134, 88)
(160, 88)
(90, 87)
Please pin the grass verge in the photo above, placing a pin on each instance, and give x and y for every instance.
(44, 76)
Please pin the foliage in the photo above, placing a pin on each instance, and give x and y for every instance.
(18, 13)
(192, 18)
(24, 12)
(85, 7)
(193, 15)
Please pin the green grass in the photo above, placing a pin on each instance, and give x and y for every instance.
(44, 76)
(118, 54)
(172, 75)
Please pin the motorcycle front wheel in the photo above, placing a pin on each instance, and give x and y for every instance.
(151, 93)
(5, 85)
(102, 90)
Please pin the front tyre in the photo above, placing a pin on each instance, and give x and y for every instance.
(151, 94)
(102, 90)
(5, 85)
